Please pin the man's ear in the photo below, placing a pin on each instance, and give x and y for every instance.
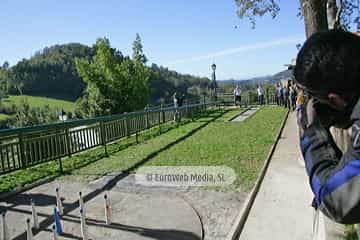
(337, 101)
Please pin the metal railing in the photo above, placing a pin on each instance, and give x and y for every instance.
(248, 99)
(25, 147)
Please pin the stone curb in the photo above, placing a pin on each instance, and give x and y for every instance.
(245, 210)
(242, 112)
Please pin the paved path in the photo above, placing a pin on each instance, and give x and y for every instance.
(134, 215)
(282, 208)
(246, 115)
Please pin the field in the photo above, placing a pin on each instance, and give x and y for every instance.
(242, 146)
(39, 101)
(209, 140)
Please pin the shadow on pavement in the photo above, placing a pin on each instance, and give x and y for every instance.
(24, 199)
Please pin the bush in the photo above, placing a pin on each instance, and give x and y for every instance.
(29, 116)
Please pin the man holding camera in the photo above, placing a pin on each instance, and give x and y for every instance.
(328, 71)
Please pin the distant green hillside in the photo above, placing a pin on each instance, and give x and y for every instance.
(38, 102)
(52, 73)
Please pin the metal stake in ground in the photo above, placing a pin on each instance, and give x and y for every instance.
(5, 231)
(34, 215)
(57, 222)
(58, 202)
(55, 235)
(107, 210)
(83, 225)
(81, 204)
(29, 234)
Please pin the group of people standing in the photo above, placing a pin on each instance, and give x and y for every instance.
(237, 95)
(286, 95)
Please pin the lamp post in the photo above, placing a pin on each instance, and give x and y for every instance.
(214, 85)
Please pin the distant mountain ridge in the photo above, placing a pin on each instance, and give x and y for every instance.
(256, 80)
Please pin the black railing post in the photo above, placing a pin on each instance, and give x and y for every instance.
(159, 121)
(68, 142)
(162, 113)
(127, 124)
(147, 118)
(103, 137)
(22, 151)
(192, 113)
(60, 166)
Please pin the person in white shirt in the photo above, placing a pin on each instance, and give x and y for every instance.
(260, 95)
(237, 95)
(175, 99)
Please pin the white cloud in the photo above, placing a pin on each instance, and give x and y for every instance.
(231, 51)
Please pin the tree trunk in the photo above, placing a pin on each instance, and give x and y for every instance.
(315, 16)
(331, 13)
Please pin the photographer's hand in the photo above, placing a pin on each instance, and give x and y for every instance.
(306, 115)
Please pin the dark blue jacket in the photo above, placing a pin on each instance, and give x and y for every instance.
(334, 177)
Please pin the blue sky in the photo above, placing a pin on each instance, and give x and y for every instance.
(187, 36)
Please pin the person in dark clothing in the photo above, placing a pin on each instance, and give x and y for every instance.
(281, 97)
(181, 100)
(286, 96)
(328, 71)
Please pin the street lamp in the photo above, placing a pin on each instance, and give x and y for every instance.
(214, 85)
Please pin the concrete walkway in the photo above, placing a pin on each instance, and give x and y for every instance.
(242, 117)
(139, 216)
(282, 208)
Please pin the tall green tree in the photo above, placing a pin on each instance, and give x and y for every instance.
(138, 54)
(115, 84)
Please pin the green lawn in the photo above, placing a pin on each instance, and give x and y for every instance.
(40, 101)
(242, 146)
(209, 140)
